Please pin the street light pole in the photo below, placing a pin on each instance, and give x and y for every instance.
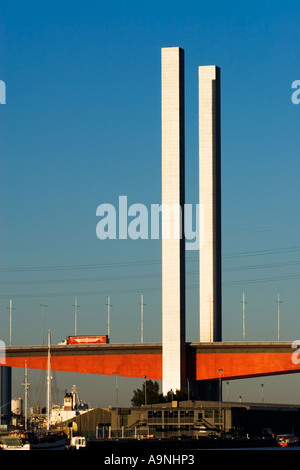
(220, 394)
(76, 307)
(108, 317)
(278, 316)
(43, 321)
(244, 317)
(142, 318)
(10, 320)
(145, 377)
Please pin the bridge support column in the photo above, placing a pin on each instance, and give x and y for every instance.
(5, 392)
(210, 202)
(173, 242)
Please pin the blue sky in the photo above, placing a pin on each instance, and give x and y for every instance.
(81, 126)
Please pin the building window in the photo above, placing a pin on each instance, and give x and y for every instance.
(209, 414)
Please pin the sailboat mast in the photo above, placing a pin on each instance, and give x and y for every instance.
(26, 388)
(48, 382)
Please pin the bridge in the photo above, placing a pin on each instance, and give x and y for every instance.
(204, 361)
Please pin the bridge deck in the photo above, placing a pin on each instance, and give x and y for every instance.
(236, 359)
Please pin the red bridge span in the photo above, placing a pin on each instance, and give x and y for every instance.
(203, 360)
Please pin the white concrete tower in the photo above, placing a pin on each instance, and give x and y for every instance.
(210, 203)
(173, 244)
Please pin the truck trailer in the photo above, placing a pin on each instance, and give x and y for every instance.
(88, 339)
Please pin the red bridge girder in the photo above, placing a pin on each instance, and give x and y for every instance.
(203, 360)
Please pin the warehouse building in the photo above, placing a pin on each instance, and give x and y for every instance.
(188, 419)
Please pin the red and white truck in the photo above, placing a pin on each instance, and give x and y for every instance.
(86, 339)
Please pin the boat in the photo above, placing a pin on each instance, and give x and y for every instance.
(13, 442)
(48, 441)
(77, 442)
(287, 440)
(49, 438)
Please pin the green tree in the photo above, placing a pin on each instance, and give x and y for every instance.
(151, 396)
